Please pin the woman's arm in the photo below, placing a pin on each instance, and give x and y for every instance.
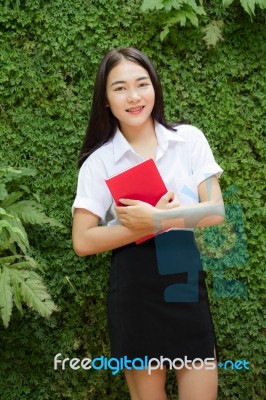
(209, 212)
(89, 238)
(140, 219)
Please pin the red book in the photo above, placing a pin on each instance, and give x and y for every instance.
(140, 182)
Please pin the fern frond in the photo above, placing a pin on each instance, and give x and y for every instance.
(33, 263)
(33, 291)
(213, 33)
(9, 174)
(17, 297)
(11, 198)
(249, 6)
(11, 261)
(261, 4)
(21, 265)
(151, 5)
(3, 191)
(227, 3)
(2, 211)
(31, 212)
(13, 228)
(8, 260)
(5, 240)
(6, 303)
(25, 188)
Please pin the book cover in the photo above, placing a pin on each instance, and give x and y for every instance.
(140, 182)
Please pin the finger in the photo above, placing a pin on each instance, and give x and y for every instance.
(171, 206)
(125, 222)
(175, 202)
(129, 202)
(122, 207)
(121, 210)
(168, 196)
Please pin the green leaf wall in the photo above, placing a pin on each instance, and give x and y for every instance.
(49, 54)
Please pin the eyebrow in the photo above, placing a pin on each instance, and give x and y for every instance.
(138, 79)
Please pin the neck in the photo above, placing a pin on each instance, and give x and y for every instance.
(142, 139)
(139, 134)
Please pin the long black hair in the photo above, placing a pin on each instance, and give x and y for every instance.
(102, 124)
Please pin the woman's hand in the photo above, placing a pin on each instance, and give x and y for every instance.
(137, 214)
(168, 201)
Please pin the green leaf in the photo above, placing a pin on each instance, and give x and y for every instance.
(13, 230)
(2, 211)
(9, 263)
(249, 6)
(227, 3)
(201, 11)
(5, 296)
(261, 4)
(8, 260)
(31, 212)
(33, 291)
(21, 265)
(181, 18)
(193, 5)
(164, 33)
(3, 191)
(193, 18)
(177, 5)
(213, 33)
(33, 263)
(151, 5)
(25, 188)
(9, 174)
(17, 295)
(172, 4)
(11, 198)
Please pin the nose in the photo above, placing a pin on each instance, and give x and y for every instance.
(133, 96)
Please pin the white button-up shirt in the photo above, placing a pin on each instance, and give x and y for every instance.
(183, 158)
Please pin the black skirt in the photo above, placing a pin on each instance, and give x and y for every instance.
(158, 301)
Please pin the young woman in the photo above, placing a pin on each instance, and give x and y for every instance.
(157, 303)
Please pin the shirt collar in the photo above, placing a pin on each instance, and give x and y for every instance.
(120, 145)
(164, 136)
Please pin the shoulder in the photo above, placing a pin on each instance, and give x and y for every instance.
(100, 157)
(193, 136)
(188, 132)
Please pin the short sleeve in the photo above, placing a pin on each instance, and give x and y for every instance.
(203, 163)
(92, 191)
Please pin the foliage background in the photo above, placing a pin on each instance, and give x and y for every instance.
(49, 55)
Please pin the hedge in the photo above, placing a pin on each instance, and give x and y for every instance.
(49, 55)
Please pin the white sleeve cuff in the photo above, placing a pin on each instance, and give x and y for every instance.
(90, 205)
(207, 171)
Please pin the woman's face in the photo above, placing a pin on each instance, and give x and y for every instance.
(130, 94)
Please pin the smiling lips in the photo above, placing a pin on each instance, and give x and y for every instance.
(135, 109)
